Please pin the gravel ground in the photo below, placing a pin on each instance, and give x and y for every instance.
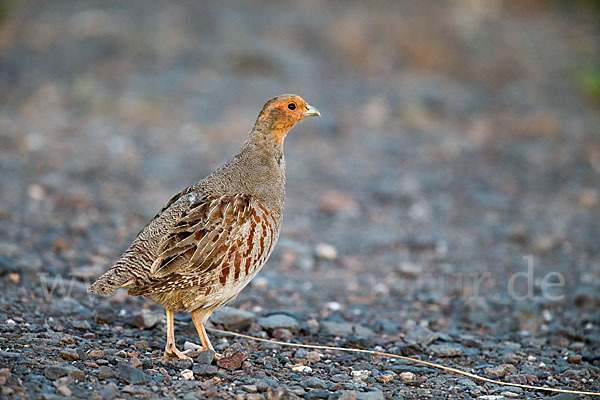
(446, 206)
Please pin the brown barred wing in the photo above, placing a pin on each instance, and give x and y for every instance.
(216, 241)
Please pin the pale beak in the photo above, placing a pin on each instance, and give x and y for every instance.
(310, 110)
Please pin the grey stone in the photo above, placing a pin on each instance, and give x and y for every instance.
(500, 370)
(421, 336)
(146, 319)
(206, 357)
(345, 329)
(132, 375)
(205, 369)
(445, 350)
(54, 372)
(109, 391)
(313, 383)
(279, 321)
(105, 372)
(317, 394)
(232, 318)
(81, 325)
(372, 395)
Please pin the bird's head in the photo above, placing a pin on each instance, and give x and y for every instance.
(281, 113)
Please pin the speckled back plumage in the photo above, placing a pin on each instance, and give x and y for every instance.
(212, 238)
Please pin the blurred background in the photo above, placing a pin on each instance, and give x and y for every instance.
(457, 137)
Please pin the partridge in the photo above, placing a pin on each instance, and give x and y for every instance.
(211, 239)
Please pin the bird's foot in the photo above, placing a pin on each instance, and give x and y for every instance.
(171, 350)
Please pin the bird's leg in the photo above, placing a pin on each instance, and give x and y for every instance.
(170, 348)
(199, 319)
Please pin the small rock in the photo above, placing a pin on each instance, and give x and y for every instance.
(249, 388)
(500, 370)
(385, 377)
(372, 395)
(67, 339)
(444, 350)
(313, 383)
(7, 266)
(344, 329)
(129, 389)
(421, 336)
(146, 319)
(205, 369)
(326, 251)
(185, 364)
(135, 362)
(232, 318)
(96, 354)
(282, 334)
(361, 373)
(105, 372)
(132, 375)
(313, 356)
(407, 376)
(409, 269)
(81, 325)
(276, 321)
(54, 372)
(233, 357)
(69, 355)
(109, 391)
(317, 394)
(64, 390)
(574, 358)
(302, 368)
(206, 357)
(105, 315)
(564, 396)
(348, 395)
(187, 375)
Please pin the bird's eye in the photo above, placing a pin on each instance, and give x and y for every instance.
(292, 106)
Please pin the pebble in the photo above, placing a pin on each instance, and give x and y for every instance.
(574, 358)
(96, 354)
(361, 373)
(187, 374)
(105, 372)
(420, 335)
(105, 315)
(233, 357)
(317, 394)
(313, 356)
(185, 364)
(232, 318)
(146, 319)
(344, 329)
(372, 395)
(279, 321)
(81, 325)
(313, 383)
(445, 350)
(133, 376)
(54, 372)
(64, 390)
(407, 376)
(206, 357)
(135, 362)
(205, 369)
(302, 368)
(500, 370)
(69, 355)
(326, 251)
